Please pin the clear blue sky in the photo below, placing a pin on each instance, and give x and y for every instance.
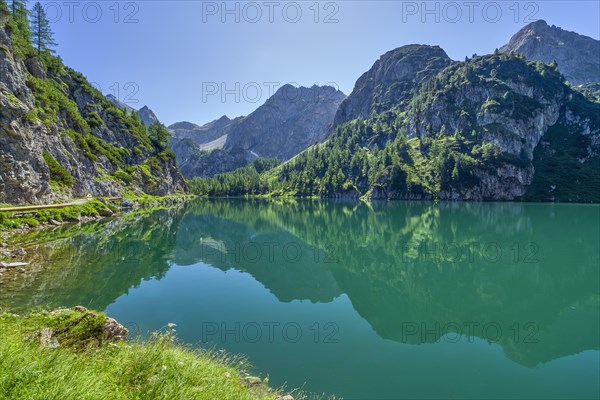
(177, 56)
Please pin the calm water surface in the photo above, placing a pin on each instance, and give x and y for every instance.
(388, 300)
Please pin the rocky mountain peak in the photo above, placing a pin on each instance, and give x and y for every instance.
(577, 55)
(290, 121)
(147, 116)
(539, 25)
(392, 80)
(183, 125)
(289, 94)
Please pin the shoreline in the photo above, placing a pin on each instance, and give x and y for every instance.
(24, 219)
(52, 343)
(16, 225)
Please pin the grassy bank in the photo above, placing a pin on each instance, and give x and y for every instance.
(95, 208)
(86, 365)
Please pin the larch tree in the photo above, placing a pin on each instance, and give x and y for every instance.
(42, 36)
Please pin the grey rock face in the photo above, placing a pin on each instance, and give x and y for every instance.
(35, 67)
(513, 133)
(392, 80)
(24, 139)
(147, 116)
(193, 161)
(517, 127)
(578, 56)
(289, 122)
(506, 183)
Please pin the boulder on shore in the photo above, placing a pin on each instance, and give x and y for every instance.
(80, 327)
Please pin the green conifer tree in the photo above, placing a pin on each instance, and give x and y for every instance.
(42, 36)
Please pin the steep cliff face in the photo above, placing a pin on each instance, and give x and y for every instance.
(577, 55)
(392, 81)
(289, 122)
(60, 138)
(508, 105)
(494, 127)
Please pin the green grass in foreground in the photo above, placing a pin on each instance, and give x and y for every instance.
(86, 367)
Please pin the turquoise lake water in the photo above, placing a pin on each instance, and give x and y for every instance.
(371, 301)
